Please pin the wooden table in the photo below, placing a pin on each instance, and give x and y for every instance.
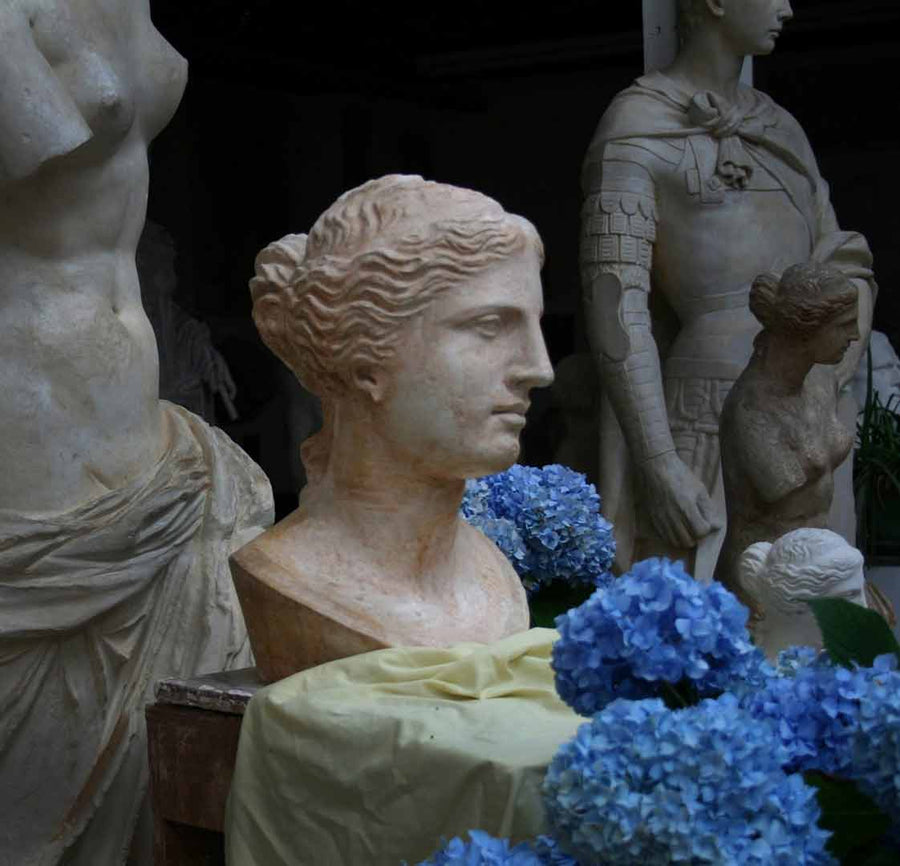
(192, 734)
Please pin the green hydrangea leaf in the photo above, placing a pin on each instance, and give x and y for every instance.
(852, 633)
(552, 600)
(857, 824)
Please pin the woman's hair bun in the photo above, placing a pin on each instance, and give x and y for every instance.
(277, 264)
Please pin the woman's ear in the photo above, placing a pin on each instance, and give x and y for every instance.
(370, 379)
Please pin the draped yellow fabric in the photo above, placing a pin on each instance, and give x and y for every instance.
(370, 760)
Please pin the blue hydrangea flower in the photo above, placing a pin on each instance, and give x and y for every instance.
(875, 760)
(485, 850)
(644, 784)
(817, 710)
(840, 721)
(794, 658)
(550, 853)
(654, 625)
(546, 521)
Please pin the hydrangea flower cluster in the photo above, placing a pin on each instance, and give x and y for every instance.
(875, 762)
(485, 850)
(645, 784)
(715, 776)
(654, 625)
(546, 521)
(840, 721)
(794, 658)
(816, 708)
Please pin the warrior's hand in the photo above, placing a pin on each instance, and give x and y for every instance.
(680, 508)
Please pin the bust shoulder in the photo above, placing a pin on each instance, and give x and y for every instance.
(307, 599)
(746, 402)
(289, 627)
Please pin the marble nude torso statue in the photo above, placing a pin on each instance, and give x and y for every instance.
(694, 184)
(412, 310)
(117, 511)
(86, 86)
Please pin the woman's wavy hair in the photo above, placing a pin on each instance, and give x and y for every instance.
(806, 297)
(801, 565)
(338, 298)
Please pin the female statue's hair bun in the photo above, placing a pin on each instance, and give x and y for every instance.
(277, 264)
(750, 567)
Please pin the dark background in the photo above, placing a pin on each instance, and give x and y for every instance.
(290, 103)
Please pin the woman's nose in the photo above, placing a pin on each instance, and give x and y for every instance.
(786, 12)
(535, 369)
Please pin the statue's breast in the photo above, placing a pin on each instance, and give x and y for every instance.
(114, 65)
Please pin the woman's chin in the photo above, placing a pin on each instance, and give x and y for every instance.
(492, 461)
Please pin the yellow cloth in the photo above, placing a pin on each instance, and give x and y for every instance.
(370, 760)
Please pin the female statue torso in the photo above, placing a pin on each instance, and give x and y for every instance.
(803, 425)
(80, 379)
(312, 592)
(781, 437)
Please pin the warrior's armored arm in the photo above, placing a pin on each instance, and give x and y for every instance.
(618, 231)
(618, 228)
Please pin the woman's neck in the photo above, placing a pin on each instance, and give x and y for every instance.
(783, 361)
(706, 63)
(777, 631)
(406, 520)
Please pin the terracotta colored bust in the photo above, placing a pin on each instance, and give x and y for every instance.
(412, 310)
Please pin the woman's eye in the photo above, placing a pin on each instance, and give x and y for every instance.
(489, 326)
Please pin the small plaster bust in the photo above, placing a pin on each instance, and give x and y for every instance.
(780, 434)
(800, 566)
(413, 311)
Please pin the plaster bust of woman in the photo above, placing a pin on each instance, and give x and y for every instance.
(782, 577)
(413, 311)
(781, 438)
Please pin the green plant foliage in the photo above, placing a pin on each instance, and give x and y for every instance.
(553, 599)
(882, 857)
(876, 467)
(853, 634)
(857, 824)
(878, 446)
